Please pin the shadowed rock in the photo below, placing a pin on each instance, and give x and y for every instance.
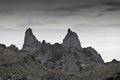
(30, 41)
(2, 46)
(93, 54)
(13, 47)
(114, 61)
(71, 40)
(65, 56)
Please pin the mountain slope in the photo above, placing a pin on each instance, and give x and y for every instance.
(16, 66)
(100, 72)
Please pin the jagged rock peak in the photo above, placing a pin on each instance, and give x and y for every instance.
(43, 42)
(30, 40)
(71, 40)
(29, 31)
(69, 30)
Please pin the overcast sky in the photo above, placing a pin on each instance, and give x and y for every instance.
(97, 22)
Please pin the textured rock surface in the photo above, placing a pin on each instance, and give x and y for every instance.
(13, 63)
(14, 66)
(93, 54)
(30, 41)
(68, 56)
(71, 40)
(2, 46)
(13, 47)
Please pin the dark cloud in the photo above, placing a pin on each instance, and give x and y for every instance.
(56, 8)
(54, 5)
(112, 3)
(74, 8)
(113, 9)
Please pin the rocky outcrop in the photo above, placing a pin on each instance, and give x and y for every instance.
(30, 41)
(13, 63)
(2, 46)
(71, 40)
(92, 54)
(114, 61)
(14, 66)
(68, 56)
(13, 47)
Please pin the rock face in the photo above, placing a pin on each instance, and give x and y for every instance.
(71, 41)
(2, 46)
(13, 47)
(30, 41)
(14, 66)
(12, 63)
(115, 61)
(92, 54)
(68, 56)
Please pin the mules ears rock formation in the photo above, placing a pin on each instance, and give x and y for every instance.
(68, 60)
(68, 56)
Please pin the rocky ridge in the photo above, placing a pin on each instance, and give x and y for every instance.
(68, 56)
(45, 61)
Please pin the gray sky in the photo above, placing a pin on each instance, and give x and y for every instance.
(97, 22)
